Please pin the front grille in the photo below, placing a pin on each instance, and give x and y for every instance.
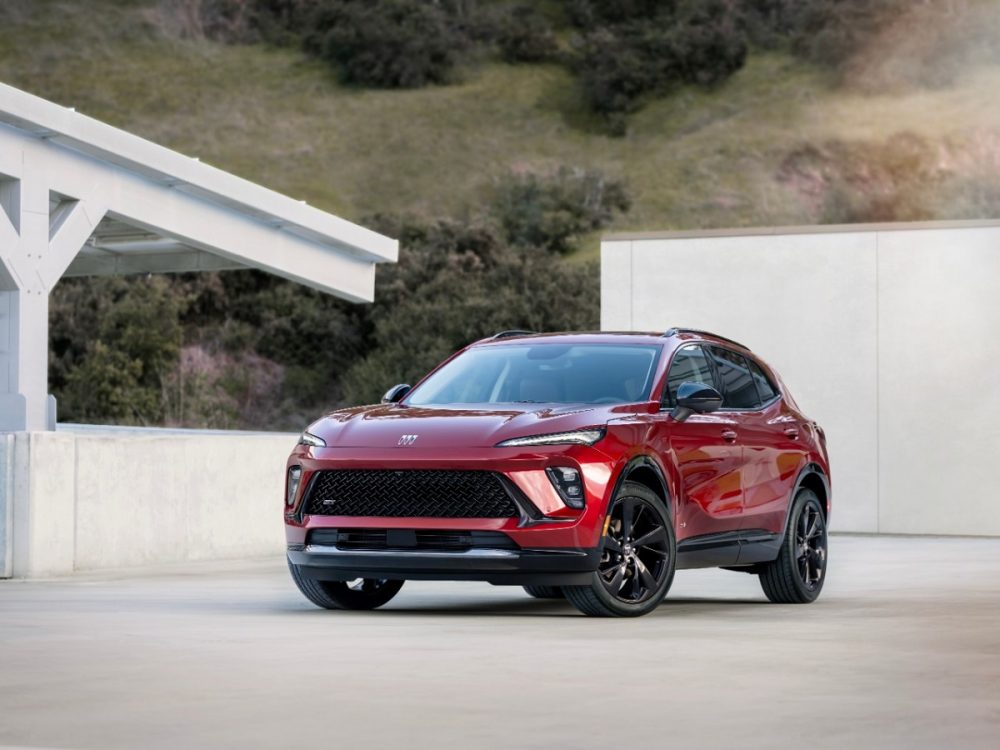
(421, 539)
(419, 493)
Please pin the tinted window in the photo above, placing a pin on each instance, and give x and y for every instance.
(765, 389)
(690, 364)
(542, 373)
(737, 383)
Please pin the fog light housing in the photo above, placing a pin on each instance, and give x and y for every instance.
(569, 485)
(292, 485)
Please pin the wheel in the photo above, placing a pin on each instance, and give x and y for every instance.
(637, 561)
(544, 592)
(361, 593)
(797, 575)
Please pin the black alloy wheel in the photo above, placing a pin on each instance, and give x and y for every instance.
(798, 574)
(361, 593)
(637, 561)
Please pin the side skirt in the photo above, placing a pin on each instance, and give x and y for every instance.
(728, 548)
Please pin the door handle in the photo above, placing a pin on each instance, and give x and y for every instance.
(792, 432)
(729, 436)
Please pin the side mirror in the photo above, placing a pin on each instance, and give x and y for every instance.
(695, 398)
(395, 394)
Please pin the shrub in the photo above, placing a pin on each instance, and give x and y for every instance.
(235, 21)
(851, 182)
(454, 284)
(595, 14)
(525, 36)
(216, 390)
(825, 32)
(551, 211)
(386, 43)
(697, 42)
(112, 341)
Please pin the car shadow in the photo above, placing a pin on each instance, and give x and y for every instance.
(464, 607)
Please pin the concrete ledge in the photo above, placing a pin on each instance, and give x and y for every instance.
(92, 500)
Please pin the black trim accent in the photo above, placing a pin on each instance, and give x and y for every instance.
(528, 514)
(435, 540)
(728, 548)
(305, 492)
(698, 332)
(808, 470)
(508, 334)
(647, 462)
(767, 546)
(550, 566)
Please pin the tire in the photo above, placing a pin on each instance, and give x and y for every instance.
(798, 573)
(631, 579)
(363, 593)
(544, 592)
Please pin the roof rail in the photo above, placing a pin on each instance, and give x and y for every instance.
(697, 332)
(507, 334)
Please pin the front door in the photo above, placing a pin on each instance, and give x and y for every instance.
(707, 452)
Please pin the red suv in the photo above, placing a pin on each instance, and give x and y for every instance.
(583, 465)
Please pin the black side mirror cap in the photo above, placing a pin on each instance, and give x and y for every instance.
(695, 398)
(395, 394)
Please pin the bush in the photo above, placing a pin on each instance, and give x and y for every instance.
(215, 390)
(237, 21)
(386, 43)
(454, 284)
(525, 36)
(851, 182)
(551, 212)
(825, 32)
(697, 42)
(112, 342)
(595, 14)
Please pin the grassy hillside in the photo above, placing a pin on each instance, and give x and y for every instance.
(694, 159)
(906, 129)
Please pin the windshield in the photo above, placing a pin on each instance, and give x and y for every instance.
(543, 374)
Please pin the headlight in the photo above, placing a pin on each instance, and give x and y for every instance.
(307, 438)
(577, 437)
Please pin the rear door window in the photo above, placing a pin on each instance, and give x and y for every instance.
(765, 388)
(738, 389)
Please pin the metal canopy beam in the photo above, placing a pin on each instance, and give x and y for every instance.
(65, 178)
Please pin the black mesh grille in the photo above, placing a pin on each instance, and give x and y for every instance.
(422, 493)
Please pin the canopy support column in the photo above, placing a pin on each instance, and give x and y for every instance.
(37, 243)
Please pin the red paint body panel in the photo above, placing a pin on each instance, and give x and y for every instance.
(724, 471)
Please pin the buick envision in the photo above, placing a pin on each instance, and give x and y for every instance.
(589, 466)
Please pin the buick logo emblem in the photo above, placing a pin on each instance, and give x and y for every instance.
(407, 440)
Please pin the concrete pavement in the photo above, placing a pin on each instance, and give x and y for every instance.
(902, 651)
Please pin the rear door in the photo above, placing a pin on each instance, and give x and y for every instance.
(768, 433)
(706, 451)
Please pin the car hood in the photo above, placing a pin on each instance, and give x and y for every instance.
(382, 426)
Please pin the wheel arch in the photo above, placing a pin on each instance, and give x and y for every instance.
(811, 477)
(646, 471)
(814, 478)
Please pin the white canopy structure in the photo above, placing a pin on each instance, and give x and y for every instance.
(80, 197)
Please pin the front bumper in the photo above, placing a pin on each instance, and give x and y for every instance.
(552, 567)
(549, 524)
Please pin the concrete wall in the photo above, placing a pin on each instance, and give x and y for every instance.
(886, 336)
(92, 499)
